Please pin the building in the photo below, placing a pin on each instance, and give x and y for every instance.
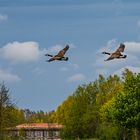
(37, 131)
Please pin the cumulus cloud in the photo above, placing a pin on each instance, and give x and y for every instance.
(21, 51)
(8, 77)
(3, 17)
(77, 77)
(132, 47)
(132, 50)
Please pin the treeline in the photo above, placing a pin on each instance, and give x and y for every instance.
(105, 109)
(11, 115)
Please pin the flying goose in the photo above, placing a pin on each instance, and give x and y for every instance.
(117, 54)
(60, 56)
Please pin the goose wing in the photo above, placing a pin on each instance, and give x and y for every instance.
(62, 52)
(121, 48)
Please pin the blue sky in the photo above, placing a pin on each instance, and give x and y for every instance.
(31, 28)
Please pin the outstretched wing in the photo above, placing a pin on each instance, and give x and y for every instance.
(121, 48)
(63, 51)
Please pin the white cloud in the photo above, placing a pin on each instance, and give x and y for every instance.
(8, 77)
(3, 17)
(77, 77)
(132, 47)
(21, 51)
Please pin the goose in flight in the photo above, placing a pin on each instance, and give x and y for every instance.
(117, 54)
(59, 56)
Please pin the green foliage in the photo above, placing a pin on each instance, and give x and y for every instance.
(107, 131)
(108, 108)
(126, 107)
(38, 116)
(105, 109)
(5, 103)
(9, 115)
(80, 113)
(76, 112)
(62, 113)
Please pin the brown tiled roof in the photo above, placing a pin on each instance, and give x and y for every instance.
(39, 126)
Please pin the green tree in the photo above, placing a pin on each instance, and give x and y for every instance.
(14, 116)
(61, 114)
(80, 113)
(108, 88)
(5, 104)
(74, 113)
(126, 107)
(101, 109)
